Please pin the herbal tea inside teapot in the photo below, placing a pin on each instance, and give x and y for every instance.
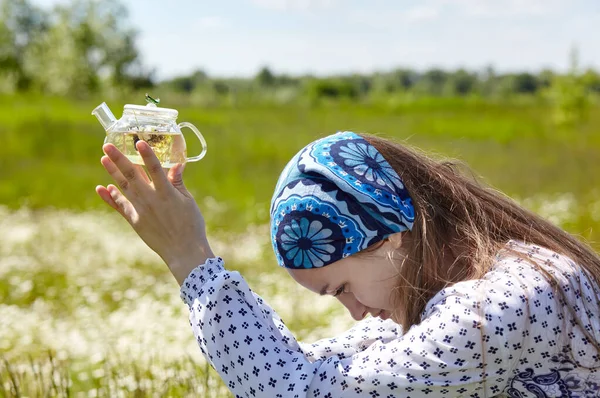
(157, 126)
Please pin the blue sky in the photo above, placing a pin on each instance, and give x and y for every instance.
(237, 37)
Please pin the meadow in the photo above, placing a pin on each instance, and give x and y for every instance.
(86, 309)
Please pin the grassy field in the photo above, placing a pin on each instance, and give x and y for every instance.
(88, 310)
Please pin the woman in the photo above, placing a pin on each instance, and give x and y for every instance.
(469, 294)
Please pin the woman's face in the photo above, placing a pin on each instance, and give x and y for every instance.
(364, 283)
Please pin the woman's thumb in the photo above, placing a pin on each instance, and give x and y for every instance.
(176, 177)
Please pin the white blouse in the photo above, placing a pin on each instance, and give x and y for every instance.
(508, 335)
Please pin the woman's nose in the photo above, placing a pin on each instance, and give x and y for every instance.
(356, 309)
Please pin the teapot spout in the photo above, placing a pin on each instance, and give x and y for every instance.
(104, 115)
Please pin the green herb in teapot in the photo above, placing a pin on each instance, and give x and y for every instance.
(169, 148)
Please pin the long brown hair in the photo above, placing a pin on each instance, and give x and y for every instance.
(453, 210)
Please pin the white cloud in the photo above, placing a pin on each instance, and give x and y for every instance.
(392, 21)
(504, 8)
(294, 5)
(422, 13)
(212, 22)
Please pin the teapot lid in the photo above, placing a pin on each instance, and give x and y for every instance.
(151, 109)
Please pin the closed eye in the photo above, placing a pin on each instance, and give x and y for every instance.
(339, 291)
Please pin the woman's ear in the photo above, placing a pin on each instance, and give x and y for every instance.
(396, 239)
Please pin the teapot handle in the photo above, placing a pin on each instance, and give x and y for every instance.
(200, 137)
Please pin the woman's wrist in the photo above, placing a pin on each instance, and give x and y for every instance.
(182, 265)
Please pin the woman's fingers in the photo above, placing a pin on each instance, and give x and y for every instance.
(109, 165)
(115, 199)
(106, 197)
(175, 176)
(115, 173)
(153, 165)
(124, 206)
(120, 168)
(142, 173)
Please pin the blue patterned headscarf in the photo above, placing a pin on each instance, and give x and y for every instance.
(336, 197)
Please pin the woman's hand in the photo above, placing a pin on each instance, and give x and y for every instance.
(162, 211)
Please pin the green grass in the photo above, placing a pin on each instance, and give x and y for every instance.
(51, 148)
(90, 310)
(48, 376)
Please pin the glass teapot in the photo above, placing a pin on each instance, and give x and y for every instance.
(157, 126)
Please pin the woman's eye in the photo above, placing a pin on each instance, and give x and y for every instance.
(339, 291)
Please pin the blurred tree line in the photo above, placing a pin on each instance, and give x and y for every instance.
(89, 46)
(75, 49)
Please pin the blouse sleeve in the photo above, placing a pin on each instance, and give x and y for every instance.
(463, 346)
(356, 339)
